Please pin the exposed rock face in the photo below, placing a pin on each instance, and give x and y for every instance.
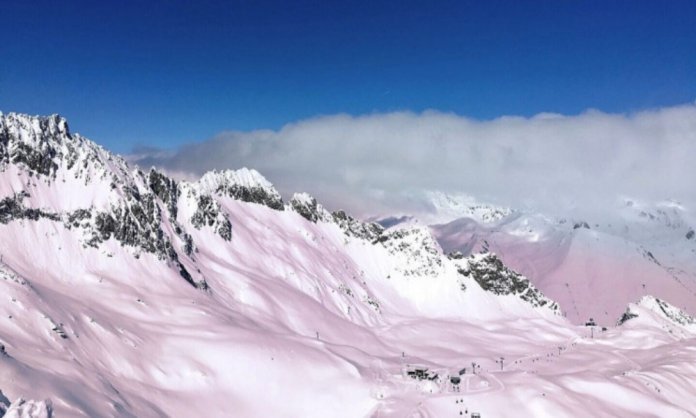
(43, 145)
(308, 208)
(675, 314)
(492, 275)
(422, 255)
(135, 207)
(30, 142)
(30, 409)
(353, 227)
(243, 184)
(455, 255)
(627, 316)
(581, 224)
(165, 189)
(137, 223)
(45, 149)
(12, 208)
(208, 213)
(690, 234)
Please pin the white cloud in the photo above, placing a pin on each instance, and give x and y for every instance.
(377, 163)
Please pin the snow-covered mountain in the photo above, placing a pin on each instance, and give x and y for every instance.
(651, 311)
(592, 269)
(450, 206)
(128, 293)
(441, 207)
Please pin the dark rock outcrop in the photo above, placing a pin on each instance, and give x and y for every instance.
(369, 231)
(12, 208)
(308, 208)
(208, 213)
(493, 276)
(244, 184)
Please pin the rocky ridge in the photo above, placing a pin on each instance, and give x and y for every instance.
(141, 210)
(493, 276)
(663, 309)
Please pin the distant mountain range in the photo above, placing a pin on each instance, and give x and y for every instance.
(591, 269)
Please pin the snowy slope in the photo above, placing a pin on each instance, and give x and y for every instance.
(591, 269)
(129, 294)
(651, 311)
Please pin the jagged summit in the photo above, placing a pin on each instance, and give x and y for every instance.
(308, 208)
(244, 184)
(44, 145)
(651, 308)
(369, 231)
(24, 123)
(27, 126)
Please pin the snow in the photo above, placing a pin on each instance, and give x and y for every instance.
(29, 409)
(595, 271)
(451, 206)
(301, 318)
(250, 346)
(303, 198)
(650, 311)
(244, 177)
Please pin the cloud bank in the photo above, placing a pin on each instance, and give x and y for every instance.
(382, 164)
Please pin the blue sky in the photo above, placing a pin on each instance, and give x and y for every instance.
(162, 74)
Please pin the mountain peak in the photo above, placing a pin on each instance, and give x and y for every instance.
(651, 308)
(52, 124)
(43, 145)
(243, 184)
(307, 206)
(450, 206)
(242, 177)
